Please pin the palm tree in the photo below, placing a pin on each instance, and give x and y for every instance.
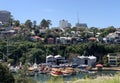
(45, 24)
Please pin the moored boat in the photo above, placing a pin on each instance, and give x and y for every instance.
(30, 71)
(66, 73)
(56, 72)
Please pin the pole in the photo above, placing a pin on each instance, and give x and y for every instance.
(7, 49)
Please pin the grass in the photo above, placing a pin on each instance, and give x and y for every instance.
(101, 79)
(115, 79)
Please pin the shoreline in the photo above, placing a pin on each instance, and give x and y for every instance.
(106, 69)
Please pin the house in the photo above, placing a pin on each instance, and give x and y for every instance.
(55, 60)
(17, 29)
(42, 30)
(91, 60)
(85, 60)
(113, 37)
(60, 59)
(92, 39)
(113, 59)
(50, 40)
(36, 38)
(63, 40)
(50, 60)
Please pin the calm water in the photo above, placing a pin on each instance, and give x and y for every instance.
(42, 78)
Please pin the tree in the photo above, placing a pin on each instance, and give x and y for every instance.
(37, 55)
(45, 24)
(106, 31)
(36, 31)
(5, 75)
(34, 24)
(9, 22)
(94, 30)
(28, 24)
(16, 23)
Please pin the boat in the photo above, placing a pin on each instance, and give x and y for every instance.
(30, 72)
(14, 69)
(44, 70)
(56, 72)
(66, 73)
(71, 70)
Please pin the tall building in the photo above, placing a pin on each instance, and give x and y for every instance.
(4, 16)
(64, 23)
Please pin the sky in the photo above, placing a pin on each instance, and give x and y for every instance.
(96, 13)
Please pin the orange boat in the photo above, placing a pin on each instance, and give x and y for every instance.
(56, 72)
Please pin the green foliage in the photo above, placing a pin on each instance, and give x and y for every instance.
(5, 75)
(28, 24)
(16, 23)
(10, 61)
(106, 31)
(56, 79)
(103, 79)
(24, 80)
(94, 30)
(27, 51)
(45, 23)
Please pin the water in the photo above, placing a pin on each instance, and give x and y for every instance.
(42, 78)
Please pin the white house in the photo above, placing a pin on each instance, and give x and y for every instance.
(91, 60)
(85, 60)
(50, 60)
(55, 60)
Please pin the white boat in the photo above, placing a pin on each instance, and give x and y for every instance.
(66, 73)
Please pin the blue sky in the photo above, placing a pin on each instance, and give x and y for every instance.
(97, 13)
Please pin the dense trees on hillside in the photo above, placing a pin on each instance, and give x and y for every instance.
(21, 49)
(26, 51)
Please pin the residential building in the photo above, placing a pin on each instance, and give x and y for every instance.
(113, 37)
(50, 60)
(4, 16)
(85, 60)
(63, 40)
(113, 59)
(55, 60)
(64, 24)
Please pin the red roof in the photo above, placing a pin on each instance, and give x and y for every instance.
(99, 65)
(50, 38)
(37, 37)
(92, 38)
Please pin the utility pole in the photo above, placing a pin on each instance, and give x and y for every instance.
(6, 47)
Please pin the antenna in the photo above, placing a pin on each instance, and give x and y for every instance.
(77, 17)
